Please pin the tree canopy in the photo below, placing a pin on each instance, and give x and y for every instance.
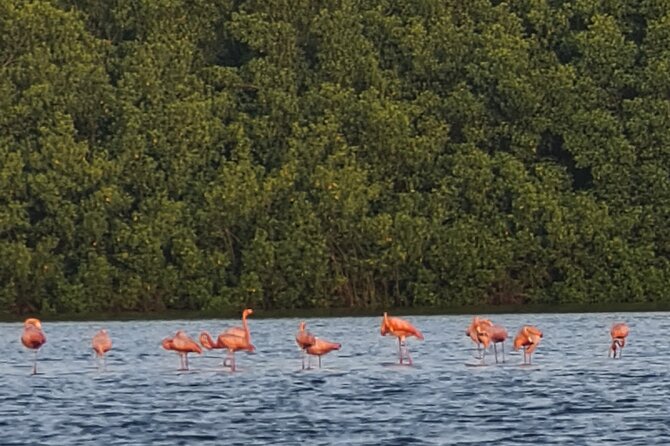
(210, 154)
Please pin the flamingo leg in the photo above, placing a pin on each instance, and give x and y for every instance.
(35, 363)
(409, 358)
(319, 361)
(495, 351)
(503, 352)
(400, 350)
(302, 354)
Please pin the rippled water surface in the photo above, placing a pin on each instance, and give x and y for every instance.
(572, 394)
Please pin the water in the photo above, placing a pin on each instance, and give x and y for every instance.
(572, 394)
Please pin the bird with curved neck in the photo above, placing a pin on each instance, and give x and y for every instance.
(401, 329)
(619, 333)
(475, 330)
(304, 339)
(233, 339)
(33, 338)
(183, 345)
(101, 344)
(528, 337)
(487, 334)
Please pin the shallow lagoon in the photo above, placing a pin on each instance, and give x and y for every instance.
(572, 394)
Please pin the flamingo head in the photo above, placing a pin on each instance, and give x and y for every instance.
(247, 312)
(384, 327)
(302, 325)
(32, 322)
(518, 342)
(167, 343)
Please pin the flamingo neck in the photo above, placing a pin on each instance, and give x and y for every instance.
(247, 336)
(207, 341)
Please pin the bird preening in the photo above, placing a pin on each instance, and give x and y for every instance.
(33, 338)
(233, 339)
(101, 344)
(528, 337)
(401, 329)
(483, 333)
(183, 345)
(619, 333)
(311, 345)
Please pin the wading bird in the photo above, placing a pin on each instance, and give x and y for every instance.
(494, 334)
(33, 338)
(312, 345)
(320, 348)
(304, 339)
(183, 345)
(234, 339)
(619, 332)
(475, 330)
(401, 329)
(528, 337)
(101, 344)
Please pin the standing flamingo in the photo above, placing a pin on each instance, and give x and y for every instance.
(401, 329)
(619, 332)
(304, 339)
(528, 337)
(493, 334)
(33, 338)
(498, 335)
(233, 339)
(101, 344)
(321, 347)
(475, 330)
(183, 345)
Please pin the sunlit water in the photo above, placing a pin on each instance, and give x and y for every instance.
(572, 394)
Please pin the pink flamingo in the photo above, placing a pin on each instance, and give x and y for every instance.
(528, 337)
(619, 333)
(234, 339)
(304, 339)
(33, 338)
(101, 344)
(321, 347)
(183, 345)
(401, 329)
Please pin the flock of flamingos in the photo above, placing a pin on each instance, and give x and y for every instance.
(483, 333)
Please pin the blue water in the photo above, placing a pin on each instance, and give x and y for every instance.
(572, 394)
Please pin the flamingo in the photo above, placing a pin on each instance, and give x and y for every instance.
(495, 334)
(498, 335)
(304, 339)
(101, 344)
(474, 331)
(401, 329)
(619, 332)
(183, 345)
(33, 338)
(241, 331)
(321, 347)
(233, 339)
(528, 337)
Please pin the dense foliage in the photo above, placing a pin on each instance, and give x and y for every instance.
(208, 154)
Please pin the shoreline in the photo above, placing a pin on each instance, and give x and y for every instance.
(349, 312)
